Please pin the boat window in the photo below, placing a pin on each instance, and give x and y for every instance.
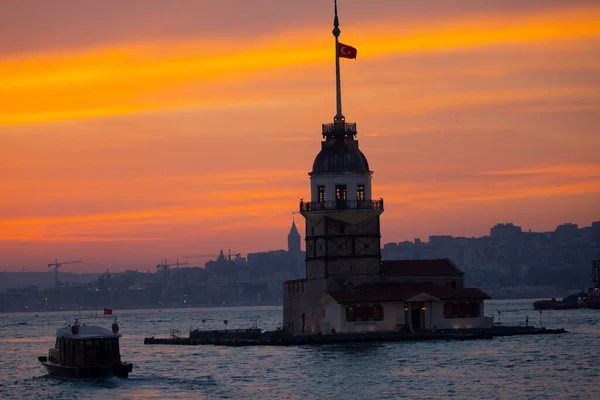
(101, 351)
(68, 352)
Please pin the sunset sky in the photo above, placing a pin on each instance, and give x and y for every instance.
(137, 130)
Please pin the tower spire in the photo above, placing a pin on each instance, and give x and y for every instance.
(338, 92)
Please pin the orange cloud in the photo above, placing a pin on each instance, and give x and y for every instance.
(499, 186)
(571, 170)
(81, 239)
(248, 205)
(152, 77)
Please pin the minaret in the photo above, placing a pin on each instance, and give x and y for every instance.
(342, 219)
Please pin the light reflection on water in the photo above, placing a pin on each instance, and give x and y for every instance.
(552, 366)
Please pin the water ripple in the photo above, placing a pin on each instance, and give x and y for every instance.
(521, 367)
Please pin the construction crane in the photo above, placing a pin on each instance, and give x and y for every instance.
(219, 256)
(164, 266)
(56, 265)
(105, 276)
(202, 256)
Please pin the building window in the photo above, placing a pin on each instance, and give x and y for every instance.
(448, 310)
(364, 312)
(472, 309)
(464, 309)
(453, 284)
(360, 192)
(320, 194)
(340, 192)
(351, 313)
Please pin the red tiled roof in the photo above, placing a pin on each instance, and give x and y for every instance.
(435, 267)
(385, 292)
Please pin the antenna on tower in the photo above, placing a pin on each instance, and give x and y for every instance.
(338, 86)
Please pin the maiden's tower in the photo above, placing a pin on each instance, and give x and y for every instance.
(347, 287)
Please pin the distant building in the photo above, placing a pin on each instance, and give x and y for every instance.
(227, 265)
(505, 231)
(595, 229)
(566, 231)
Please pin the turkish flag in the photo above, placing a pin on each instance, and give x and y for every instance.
(107, 311)
(346, 51)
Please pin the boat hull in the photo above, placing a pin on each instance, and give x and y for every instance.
(559, 305)
(97, 371)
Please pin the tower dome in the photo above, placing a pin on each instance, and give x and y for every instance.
(340, 153)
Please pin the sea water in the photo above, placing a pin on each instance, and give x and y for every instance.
(563, 366)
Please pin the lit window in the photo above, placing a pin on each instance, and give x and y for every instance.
(359, 312)
(461, 310)
(321, 194)
(360, 192)
(340, 192)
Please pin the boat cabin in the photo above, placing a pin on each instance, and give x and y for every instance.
(81, 345)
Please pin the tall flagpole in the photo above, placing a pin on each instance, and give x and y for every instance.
(338, 86)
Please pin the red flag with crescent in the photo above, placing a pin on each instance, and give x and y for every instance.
(346, 51)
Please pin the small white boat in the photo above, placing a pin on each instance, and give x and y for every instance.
(83, 351)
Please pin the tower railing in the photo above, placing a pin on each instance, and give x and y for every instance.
(339, 127)
(341, 205)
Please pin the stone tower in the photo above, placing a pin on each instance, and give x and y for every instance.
(342, 222)
(294, 239)
(295, 257)
(342, 219)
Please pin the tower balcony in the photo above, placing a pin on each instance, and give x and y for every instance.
(341, 205)
(339, 128)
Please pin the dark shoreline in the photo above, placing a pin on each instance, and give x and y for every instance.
(250, 337)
